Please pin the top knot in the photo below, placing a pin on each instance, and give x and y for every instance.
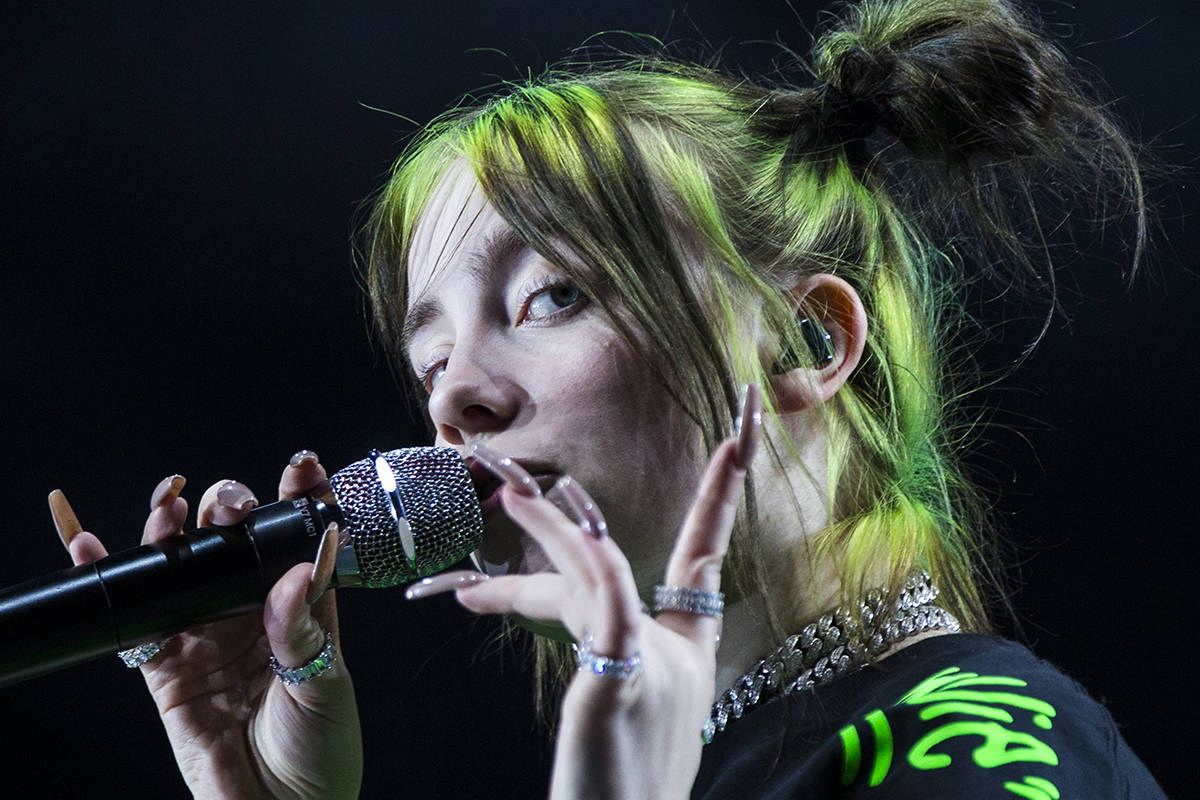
(848, 117)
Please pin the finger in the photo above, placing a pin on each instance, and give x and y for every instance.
(295, 630)
(445, 582)
(542, 597)
(225, 503)
(595, 568)
(85, 548)
(704, 539)
(168, 510)
(323, 564)
(65, 521)
(302, 476)
(581, 504)
(592, 563)
(82, 546)
(542, 520)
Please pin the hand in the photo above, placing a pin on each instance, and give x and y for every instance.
(638, 737)
(236, 730)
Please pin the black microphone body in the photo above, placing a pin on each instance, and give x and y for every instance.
(402, 514)
(155, 590)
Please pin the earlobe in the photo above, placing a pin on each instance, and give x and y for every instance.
(831, 334)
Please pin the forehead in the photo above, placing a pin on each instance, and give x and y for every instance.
(457, 219)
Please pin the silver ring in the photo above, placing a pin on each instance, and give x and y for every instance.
(134, 657)
(321, 663)
(621, 669)
(689, 601)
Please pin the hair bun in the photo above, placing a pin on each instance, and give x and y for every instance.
(846, 116)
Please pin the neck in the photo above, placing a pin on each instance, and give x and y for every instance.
(745, 638)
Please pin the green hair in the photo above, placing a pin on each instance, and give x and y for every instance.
(693, 196)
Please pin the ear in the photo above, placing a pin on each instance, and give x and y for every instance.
(836, 306)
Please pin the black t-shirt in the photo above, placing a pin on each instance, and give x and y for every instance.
(961, 716)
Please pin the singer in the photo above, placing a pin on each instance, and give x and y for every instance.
(702, 343)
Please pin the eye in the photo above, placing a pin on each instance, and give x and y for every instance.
(430, 374)
(551, 300)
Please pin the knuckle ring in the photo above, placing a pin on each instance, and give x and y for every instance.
(134, 657)
(620, 669)
(689, 601)
(321, 663)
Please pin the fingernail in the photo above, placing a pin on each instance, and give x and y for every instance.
(65, 521)
(507, 470)
(236, 495)
(167, 490)
(302, 457)
(585, 508)
(748, 426)
(446, 582)
(323, 564)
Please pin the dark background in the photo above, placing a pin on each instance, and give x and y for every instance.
(178, 182)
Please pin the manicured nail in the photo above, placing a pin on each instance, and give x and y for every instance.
(65, 521)
(236, 495)
(585, 508)
(506, 470)
(303, 456)
(446, 582)
(748, 426)
(323, 564)
(167, 490)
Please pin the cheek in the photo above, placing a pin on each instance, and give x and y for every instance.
(643, 453)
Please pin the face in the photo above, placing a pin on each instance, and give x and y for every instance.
(514, 355)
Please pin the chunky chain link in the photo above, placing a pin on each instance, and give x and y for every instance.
(833, 645)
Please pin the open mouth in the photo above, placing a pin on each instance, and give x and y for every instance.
(505, 546)
(487, 486)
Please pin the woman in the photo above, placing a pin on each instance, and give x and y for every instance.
(581, 274)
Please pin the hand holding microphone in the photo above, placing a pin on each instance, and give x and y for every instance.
(234, 727)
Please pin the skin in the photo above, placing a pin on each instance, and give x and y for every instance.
(552, 386)
(541, 377)
(235, 730)
(537, 375)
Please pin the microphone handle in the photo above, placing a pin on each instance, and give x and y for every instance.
(153, 591)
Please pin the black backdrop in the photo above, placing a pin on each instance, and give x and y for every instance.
(178, 182)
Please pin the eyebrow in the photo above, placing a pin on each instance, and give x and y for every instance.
(499, 248)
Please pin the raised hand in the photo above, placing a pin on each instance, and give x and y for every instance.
(632, 717)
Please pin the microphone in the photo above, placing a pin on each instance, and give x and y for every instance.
(409, 513)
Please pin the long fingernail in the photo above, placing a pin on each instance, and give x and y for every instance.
(446, 582)
(302, 457)
(167, 490)
(323, 564)
(65, 521)
(507, 470)
(585, 508)
(236, 495)
(749, 427)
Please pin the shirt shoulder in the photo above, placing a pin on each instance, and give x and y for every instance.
(953, 716)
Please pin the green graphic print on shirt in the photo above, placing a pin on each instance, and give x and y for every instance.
(988, 703)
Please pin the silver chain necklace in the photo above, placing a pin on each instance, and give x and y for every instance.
(834, 645)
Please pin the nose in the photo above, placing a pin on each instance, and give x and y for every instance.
(470, 399)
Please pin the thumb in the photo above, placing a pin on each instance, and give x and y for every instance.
(299, 613)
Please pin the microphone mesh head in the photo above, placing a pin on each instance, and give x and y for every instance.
(439, 504)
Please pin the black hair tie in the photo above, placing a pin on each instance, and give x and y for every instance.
(851, 118)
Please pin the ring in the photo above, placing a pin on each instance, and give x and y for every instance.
(134, 657)
(689, 601)
(621, 669)
(321, 663)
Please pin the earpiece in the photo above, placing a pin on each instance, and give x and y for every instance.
(818, 342)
